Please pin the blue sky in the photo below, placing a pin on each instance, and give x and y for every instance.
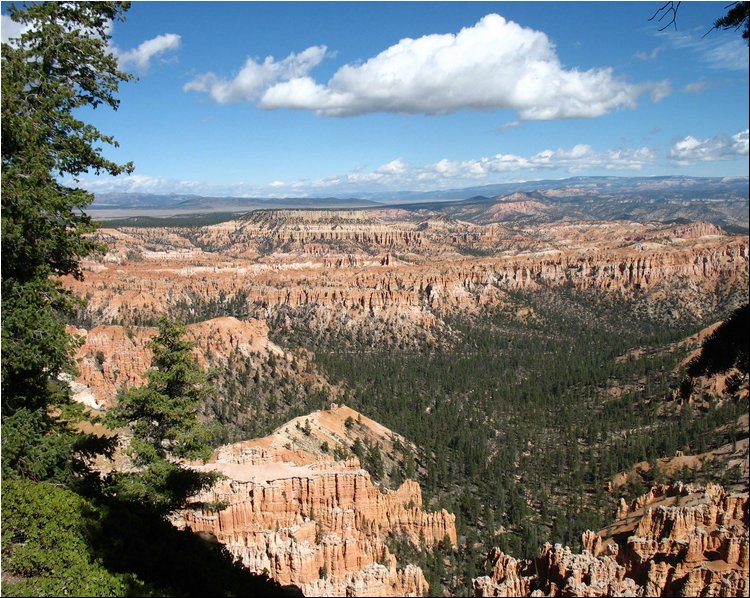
(340, 98)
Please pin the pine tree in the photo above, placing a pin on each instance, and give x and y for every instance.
(374, 462)
(59, 65)
(163, 417)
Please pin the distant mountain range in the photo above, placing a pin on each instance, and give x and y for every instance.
(199, 203)
(722, 201)
(681, 185)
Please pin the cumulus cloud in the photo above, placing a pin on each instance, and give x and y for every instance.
(721, 147)
(495, 64)
(133, 183)
(398, 174)
(579, 158)
(397, 166)
(141, 56)
(256, 77)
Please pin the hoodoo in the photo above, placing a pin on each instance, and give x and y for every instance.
(314, 522)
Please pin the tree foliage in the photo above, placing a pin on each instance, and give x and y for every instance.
(737, 17)
(163, 418)
(67, 538)
(58, 543)
(726, 348)
(47, 536)
(60, 64)
(520, 424)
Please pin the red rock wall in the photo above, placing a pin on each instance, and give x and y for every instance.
(321, 525)
(677, 540)
(355, 280)
(113, 358)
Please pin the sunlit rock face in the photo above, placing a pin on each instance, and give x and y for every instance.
(394, 271)
(677, 540)
(112, 359)
(314, 522)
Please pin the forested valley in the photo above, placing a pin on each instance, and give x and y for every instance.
(523, 421)
(526, 369)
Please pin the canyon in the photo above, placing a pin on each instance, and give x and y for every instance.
(314, 522)
(395, 272)
(324, 497)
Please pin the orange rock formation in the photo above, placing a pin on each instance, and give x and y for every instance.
(113, 358)
(316, 523)
(356, 265)
(677, 540)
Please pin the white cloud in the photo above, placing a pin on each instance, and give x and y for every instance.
(579, 158)
(10, 29)
(660, 90)
(715, 50)
(398, 174)
(496, 64)
(650, 56)
(696, 86)
(720, 147)
(141, 183)
(134, 183)
(255, 77)
(702, 85)
(397, 166)
(141, 56)
(507, 126)
(740, 142)
(445, 173)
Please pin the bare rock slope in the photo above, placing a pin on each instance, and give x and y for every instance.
(112, 359)
(677, 540)
(314, 522)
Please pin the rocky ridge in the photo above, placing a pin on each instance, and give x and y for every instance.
(315, 522)
(676, 540)
(333, 431)
(348, 269)
(111, 359)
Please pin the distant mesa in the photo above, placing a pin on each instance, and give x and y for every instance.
(722, 201)
(114, 205)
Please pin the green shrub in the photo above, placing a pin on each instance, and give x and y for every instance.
(47, 544)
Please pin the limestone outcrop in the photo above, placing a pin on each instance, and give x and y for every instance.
(314, 522)
(676, 540)
(337, 429)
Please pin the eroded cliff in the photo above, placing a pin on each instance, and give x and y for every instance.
(111, 359)
(315, 522)
(393, 273)
(676, 540)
